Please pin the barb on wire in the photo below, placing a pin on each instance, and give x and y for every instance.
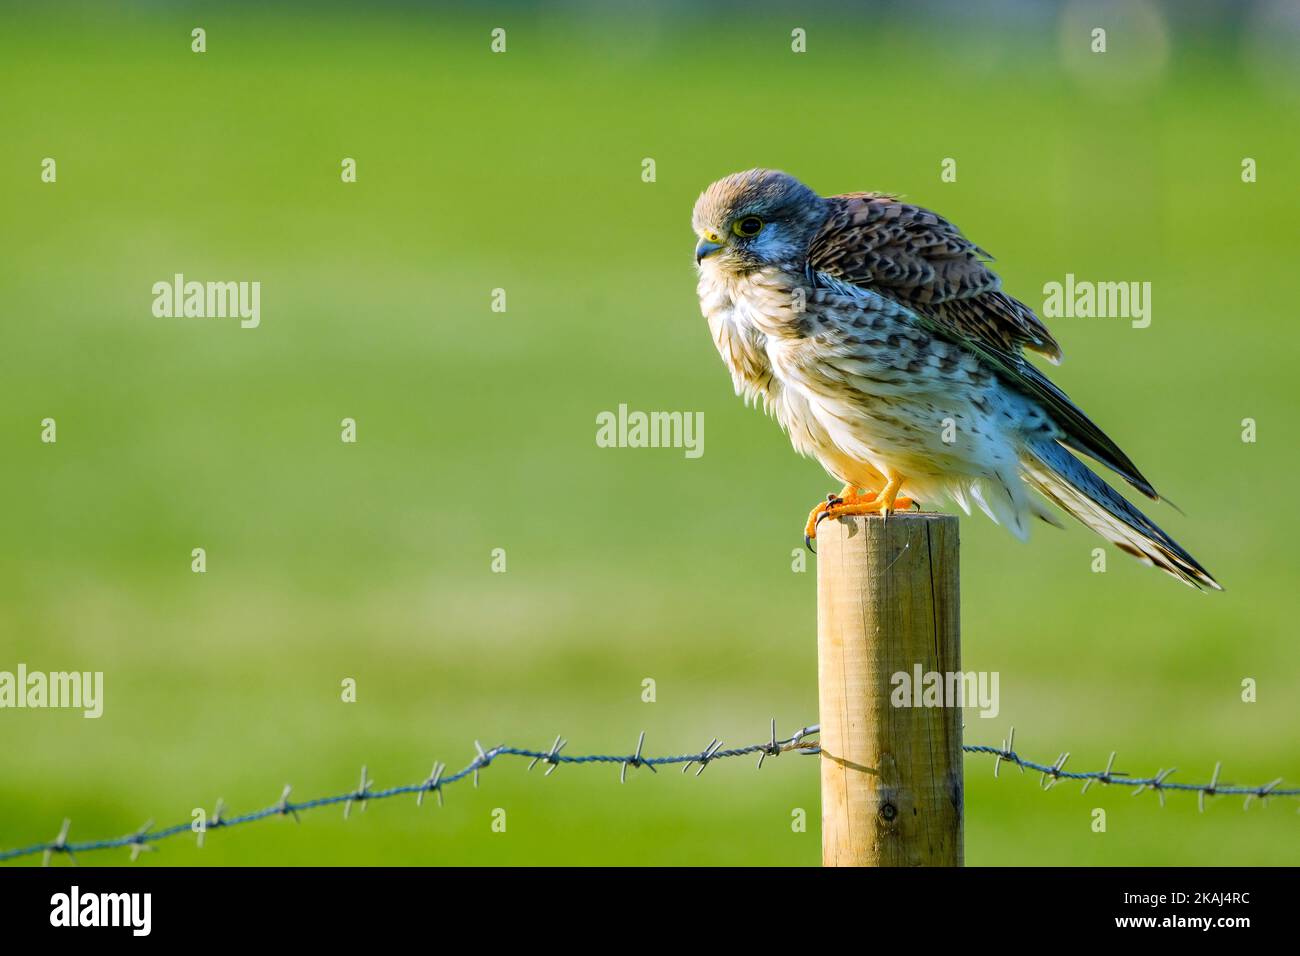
(60, 844)
(551, 758)
(212, 824)
(434, 783)
(636, 761)
(144, 839)
(361, 796)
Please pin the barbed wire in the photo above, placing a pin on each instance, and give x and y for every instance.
(1055, 772)
(142, 840)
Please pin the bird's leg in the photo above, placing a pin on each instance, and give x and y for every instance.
(849, 502)
(887, 498)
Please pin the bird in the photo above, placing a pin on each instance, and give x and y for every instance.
(882, 342)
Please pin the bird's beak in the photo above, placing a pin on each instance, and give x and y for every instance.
(705, 248)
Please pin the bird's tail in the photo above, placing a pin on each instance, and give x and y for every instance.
(1065, 480)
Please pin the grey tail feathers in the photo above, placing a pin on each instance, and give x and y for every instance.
(1076, 489)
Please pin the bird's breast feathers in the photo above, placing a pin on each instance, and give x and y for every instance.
(848, 373)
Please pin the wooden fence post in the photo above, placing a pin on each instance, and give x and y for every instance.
(887, 602)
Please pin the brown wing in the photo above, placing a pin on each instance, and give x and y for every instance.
(922, 261)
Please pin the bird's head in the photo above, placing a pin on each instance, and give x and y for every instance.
(758, 218)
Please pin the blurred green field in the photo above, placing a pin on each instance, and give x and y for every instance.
(476, 429)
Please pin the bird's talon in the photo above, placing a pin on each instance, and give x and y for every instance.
(848, 503)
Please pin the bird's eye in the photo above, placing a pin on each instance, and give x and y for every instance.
(748, 227)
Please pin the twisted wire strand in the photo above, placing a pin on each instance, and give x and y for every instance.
(143, 838)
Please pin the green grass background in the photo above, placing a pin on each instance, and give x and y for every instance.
(476, 429)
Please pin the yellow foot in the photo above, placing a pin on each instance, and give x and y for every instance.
(887, 500)
(847, 503)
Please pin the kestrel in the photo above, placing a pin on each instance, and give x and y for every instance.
(877, 335)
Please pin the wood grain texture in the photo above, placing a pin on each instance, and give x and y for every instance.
(887, 600)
